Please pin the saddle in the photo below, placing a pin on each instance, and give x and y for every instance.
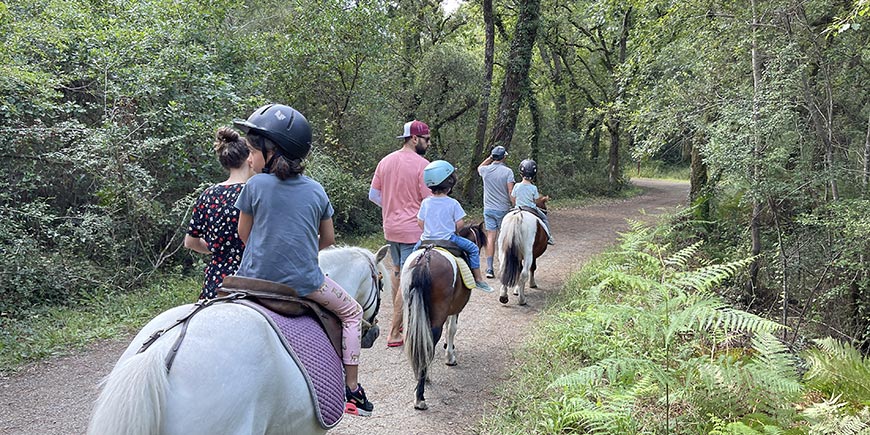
(447, 245)
(284, 300)
(540, 213)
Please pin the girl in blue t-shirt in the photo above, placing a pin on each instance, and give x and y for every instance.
(285, 219)
(440, 215)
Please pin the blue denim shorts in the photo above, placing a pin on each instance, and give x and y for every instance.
(399, 252)
(492, 218)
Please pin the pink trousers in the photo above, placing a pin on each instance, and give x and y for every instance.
(332, 297)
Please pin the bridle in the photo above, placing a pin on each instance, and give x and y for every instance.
(374, 298)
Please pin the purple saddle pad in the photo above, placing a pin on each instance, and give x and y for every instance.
(308, 345)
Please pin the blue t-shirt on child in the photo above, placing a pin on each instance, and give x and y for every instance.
(284, 244)
(526, 194)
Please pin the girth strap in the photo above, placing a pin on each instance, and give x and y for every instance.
(183, 321)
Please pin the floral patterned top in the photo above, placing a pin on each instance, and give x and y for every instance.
(215, 220)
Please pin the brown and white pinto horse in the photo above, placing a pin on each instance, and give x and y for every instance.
(434, 294)
(522, 240)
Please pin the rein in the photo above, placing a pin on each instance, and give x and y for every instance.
(184, 321)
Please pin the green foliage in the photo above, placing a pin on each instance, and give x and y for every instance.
(838, 369)
(95, 315)
(638, 343)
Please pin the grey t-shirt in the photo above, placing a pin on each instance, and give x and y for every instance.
(496, 176)
(283, 244)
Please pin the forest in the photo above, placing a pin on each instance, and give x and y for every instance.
(108, 111)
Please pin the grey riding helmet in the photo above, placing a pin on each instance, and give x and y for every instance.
(281, 124)
(528, 168)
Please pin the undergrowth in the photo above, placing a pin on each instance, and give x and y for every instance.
(639, 343)
(60, 330)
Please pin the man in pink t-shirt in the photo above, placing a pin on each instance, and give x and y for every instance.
(398, 189)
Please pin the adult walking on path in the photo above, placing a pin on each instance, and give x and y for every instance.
(398, 188)
(55, 397)
(498, 182)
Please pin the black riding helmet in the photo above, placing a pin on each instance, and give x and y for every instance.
(528, 168)
(281, 124)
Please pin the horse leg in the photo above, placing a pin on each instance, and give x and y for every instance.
(452, 326)
(532, 283)
(521, 288)
(502, 296)
(420, 403)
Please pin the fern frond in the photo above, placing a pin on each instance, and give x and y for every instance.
(623, 279)
(609, 369)
(830, 417)
(838, 368)
(705, 278)
(680, 259)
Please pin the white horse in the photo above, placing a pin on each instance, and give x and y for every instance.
(522, 240)
(231, 375)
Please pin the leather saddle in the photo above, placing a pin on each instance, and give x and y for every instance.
(284, 300)
(540, 213)
(451, 247)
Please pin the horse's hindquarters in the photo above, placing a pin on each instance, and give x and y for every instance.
(231, 375)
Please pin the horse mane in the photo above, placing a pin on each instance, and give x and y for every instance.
(336, 250)
(477, 230)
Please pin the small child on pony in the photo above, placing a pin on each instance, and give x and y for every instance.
(526, 197)
(440, 216)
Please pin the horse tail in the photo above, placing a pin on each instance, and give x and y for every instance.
(511, 261)
(131, 398)
(417, 291)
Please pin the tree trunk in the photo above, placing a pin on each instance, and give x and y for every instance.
(516, 73)
(412, 51)
(866, 177)
(755, 220)
(485, 93)
(536, 123)
(554, 63)
(698, 184)
(595, 147)
(613, 176)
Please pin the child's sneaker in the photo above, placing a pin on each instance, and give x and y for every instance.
(490, 273)
(482, 285)
(357, 403)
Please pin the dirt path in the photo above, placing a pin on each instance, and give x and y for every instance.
(54, 397)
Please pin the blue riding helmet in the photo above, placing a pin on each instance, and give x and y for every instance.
(436, 172)
(498, 153)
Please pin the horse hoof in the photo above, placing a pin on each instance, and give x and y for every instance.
(533, 286)
(521, 303)
(503, 299)
(516, 293)
(421, 405)
(451, 364)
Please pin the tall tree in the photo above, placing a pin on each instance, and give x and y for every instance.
(516, 72)
(485, 93)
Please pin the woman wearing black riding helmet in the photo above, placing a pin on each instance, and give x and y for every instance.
(285, 219)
